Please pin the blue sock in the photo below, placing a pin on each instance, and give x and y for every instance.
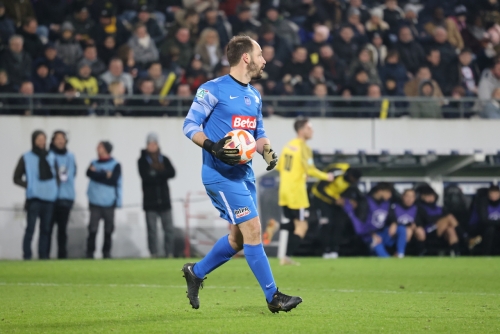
(380, 251)
(401, 239)
(258, 262)
(218, 255)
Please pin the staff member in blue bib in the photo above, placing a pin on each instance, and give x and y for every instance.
(105, 194)
(38, 168)
(66, 171)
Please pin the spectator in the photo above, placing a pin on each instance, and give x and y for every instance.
(115, 73)
(56, 66)
(155, 170)
(364, 13)
(267, 108)
(208, 48)
(377, 49)
(194, 75)
(65, 167)
(372, 108)
(155, 73)
(51, 13)
(82, 22)
(67, 47)
(26, 104)
(333, 65)
(18, 10)
(16, 61)
(282, 26)
(188, 19)
(452, 33)
(353, 20)
(330, 13)
(492, 109)
(7, 26)
(117, 91)
(391, 88)
(107, 50)
(108, 25)
(73, 104)
(489, 219)
(242, 22)
(344, 45)
(90, 56)
(412, 87)
(428, 108)
(411, 52)
(35, 172)
(410, 20)
(396, 70)
(268, 37)
(212, 19)
(153, 29)
(441, 72)
(105, 194)
(271, 73)
(392, 14)
(297, 69)
(440, 42)
(5, 86)
(376, 24)
(490, 79)
(32, 43)
(319, 106)
(84, 82)
(180, 42)
(360, 82)
(145, 105)
(43, 81)
(143, 46)
(364, 61)
(468, 72)
(320, 37)
(317, 76)
(127, 56)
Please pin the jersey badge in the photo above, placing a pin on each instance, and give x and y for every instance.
(200, 93)
(247, 101)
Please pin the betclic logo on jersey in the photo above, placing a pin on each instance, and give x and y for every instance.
(244, 122)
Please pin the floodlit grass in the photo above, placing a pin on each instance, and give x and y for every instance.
(460, 295)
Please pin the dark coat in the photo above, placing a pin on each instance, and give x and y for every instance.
(412, 55)
(155, 190)
(18, 70)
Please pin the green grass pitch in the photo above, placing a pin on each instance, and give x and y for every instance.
(363, 295)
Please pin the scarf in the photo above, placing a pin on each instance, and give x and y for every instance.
(58, 151)
(43, 165)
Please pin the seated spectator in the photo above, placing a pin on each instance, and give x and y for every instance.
(319, 107)
(390, 87)
(474, 33)
(55, 64)
(330, 13)
(146, 104)
(152, 27)
(155, 73)
(297, 68)
(441, 72)
(489, 219)
(440, 42)
(354, 21)
(282, 26)
(183, 91)
(67, 47)
(468, 72)
(143, 46)
(490, 79)
(194, 76)
(117, 108)
(492, 109)
(359, 82)
(457, 107)
(272, 71)
(181, 42)
(84, 82)
(90, 55)
(428, 108)
(25, 104)
(7, 26)
(222, 68)
(344, 45)
(106, 26)
(268, 37)
(5, 86)
(82, 22)
(392, 14)
(320, 37)
(372, 108)
(19, 10)
(453, 36)
(32, 43)
(74, 105)
(107, 50)
(345, 108)
(212, 19)
(410, 20)
(242, 22)
(364, 13)
(412, 87)
(16, 62)
(208, 48)
(396, 70)
(116, 73)
(43, 81)
(333, 65)
(127, 56)
(435, 221)
(364, 61)
(317, 76)
(188, 19)
(376, 24)
(460, 18)
(410, 51)
(377, 49)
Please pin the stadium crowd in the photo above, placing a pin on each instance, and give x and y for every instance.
(346, 48)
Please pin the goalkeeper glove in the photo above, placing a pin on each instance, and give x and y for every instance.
(229, 156)
(270, 156)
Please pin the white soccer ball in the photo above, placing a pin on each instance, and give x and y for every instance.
(243, 141)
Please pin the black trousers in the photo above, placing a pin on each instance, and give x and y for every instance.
(96, 214)
(489, 231)
(60, 218)
(38, 209)
(332, 231)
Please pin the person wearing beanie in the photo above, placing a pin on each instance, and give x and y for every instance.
(104, 194)
(36, 173)
(155, 170)
(67, 46)
(65, 167)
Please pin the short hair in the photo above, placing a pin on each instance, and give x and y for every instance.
(13, 37)
(28, 20)
(237, 46)
(354, 173)
(494, 188)
(139, 25)
(300, 123)
(382, 186)
(392, 53)
(116, 59)
(407, 191)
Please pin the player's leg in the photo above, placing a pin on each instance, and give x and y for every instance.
(446, 227)
(410, 229)
(377, 243)
(420, 237)
(300, 227)
(401, 240)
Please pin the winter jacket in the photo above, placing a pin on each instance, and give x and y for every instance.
(412, 88)
(125, 78)
(51, 11)
(487, 85)
(18, 68)
(155, 190)
(427, 108)
(97, 66)
(412, 55)
(70, 51)
(32, 44)
(370, 69)
(143, 55)
(185, 51)
(48, 84)
(346, 51)
(18, 10)
(395, 71)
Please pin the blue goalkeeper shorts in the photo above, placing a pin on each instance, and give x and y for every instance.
(235, 200)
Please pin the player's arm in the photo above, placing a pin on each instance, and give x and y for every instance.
(264, 144)
(310, 168)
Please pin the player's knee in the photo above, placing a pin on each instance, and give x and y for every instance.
(251, 231)
(420, 234)
(300, 228)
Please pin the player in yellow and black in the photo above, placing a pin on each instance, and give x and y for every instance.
(326, 195)
(294, 165)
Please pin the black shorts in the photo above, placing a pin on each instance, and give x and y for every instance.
(289, 215)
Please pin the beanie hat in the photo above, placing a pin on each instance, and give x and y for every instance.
(152, 137)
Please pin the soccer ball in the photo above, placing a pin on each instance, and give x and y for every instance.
(243, 141)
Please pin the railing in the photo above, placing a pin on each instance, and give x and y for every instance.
(286, 106)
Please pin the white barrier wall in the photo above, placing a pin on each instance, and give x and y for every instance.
(128, 136)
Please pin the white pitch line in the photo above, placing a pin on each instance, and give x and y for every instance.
(158, 286)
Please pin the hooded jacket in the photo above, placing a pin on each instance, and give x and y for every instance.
(427, 108)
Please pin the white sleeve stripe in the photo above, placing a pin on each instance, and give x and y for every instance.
(227, 207)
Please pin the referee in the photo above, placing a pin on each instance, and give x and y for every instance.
(294, 165)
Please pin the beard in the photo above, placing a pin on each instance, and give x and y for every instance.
(254, 71)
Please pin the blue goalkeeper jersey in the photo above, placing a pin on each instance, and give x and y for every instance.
(220, 106)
